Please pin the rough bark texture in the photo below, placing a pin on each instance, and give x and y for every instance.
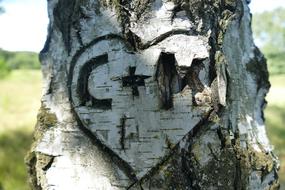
(152, 94)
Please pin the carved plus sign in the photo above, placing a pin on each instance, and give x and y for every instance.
(134, 81)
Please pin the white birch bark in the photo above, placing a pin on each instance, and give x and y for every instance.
(152, 95)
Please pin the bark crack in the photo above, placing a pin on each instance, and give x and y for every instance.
(49, 163)
(123, 132)
(168, 156)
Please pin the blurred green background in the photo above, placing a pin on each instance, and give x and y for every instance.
(20, 84)
(269, 34)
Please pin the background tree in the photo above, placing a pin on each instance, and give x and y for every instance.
(17, 60)
(152, 95)
(269, 30)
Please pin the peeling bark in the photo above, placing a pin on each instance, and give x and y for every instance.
(152, 95)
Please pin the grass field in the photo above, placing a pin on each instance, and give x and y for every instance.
(20, 100)
(275, 120)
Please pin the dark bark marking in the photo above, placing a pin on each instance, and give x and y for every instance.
(31, 161)
(221, 137)
(51, 84)
(169, 82)
(237, 178)
(48, 165)
(82, 50)
(166, 35)
(82, 84)
(164, 77)
(173, 79)
(192, 76)
(69, 19)
(213, 152)
(176, 9)
(63, 21)
(258, 67)
(134, 81)
(122, 126)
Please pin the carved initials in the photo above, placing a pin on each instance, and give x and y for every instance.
(82, 87)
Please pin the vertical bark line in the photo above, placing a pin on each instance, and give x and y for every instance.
(32, 172)
(168, 79)
(63, 20)
(123, 132)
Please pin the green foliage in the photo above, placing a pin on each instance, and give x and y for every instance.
(4, 69)
(269, 27)
(275, 119)
(275, 115)
(23, 60)
(19, 60)
(269, 31)
(276, 62)
(14, 146)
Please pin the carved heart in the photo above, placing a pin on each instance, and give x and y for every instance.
(138, 104)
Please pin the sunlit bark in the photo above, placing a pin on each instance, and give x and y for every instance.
(152, 95)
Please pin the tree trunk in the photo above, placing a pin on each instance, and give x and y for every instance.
(154, 94)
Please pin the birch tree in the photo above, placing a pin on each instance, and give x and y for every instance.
(160, 94)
